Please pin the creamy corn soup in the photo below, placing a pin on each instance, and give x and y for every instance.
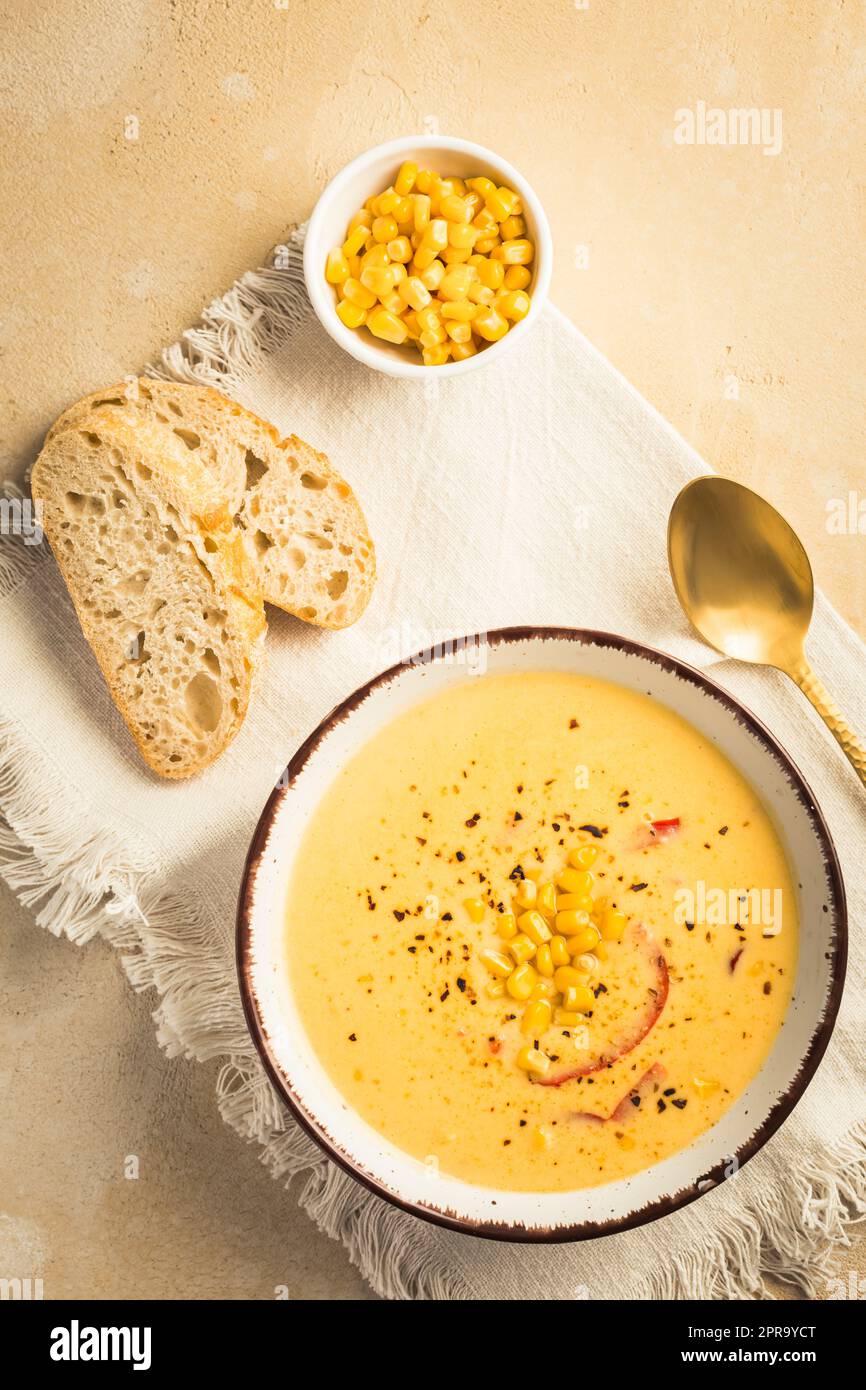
(540, 931)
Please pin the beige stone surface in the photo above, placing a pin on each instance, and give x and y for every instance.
(725, 283)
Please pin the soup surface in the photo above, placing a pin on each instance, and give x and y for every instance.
(541, 808)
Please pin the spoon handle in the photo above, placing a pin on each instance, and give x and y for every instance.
(815, 691)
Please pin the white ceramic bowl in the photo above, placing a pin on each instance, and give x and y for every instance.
(369, 174)
(300, 1078)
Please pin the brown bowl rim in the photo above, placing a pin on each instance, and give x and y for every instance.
(663, 1206)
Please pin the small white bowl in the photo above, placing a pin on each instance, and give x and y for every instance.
(368, 175)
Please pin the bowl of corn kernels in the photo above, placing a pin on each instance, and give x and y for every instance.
(427, 254)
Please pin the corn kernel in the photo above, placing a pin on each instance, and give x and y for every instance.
(451, 186)
(355, 240)
(513, 304)
(358, 294)
(463, 310)
(533, 1060)
(487, 244)
(488, 324)
(543, 988)
(413, 292)
(566, 976)
(546, 900)
(429, 320)
(456, 282)
(435, 234)
(420, 212)
(362, 218)
(501, 203)
(517, 277)
(506, 926)
(455, 255)
(435, 356)
(400, 249)
(336, 267)
(568, 1019)
(383, 324)
(537, 1017)
(542, 1137)
(405, 180)
(586, 962)
(485, 223)
(512, 228)
(535, 927)
(497, 963)
(521, 981)
(496, 989)
(376, 255)
(433, 275)
(352, 315)
(578, 999)
(482, 186)
(559, 951)
(517, 252)
(569, 921)
(574, 902)
(705, 1087)
(435, 194)
(423, 180)
(476, 907)
(462, 237)
(379, 279)
(384, 229)
(402, 212)
(411, 321)
(585, 940)
(458, 332)
(522, 948)
(583, 857)
(575, 881)
(479, 295)
(422, 260)
(613, 925)
(453, 208)
(384, 205)
(491, 273)
(544, 961)
(393, 303)
(460, 351)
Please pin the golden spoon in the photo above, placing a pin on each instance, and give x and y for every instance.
(745, 582)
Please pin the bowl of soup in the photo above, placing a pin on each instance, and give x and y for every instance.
(541, 935)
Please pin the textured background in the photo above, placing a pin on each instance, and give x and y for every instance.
(726, 284)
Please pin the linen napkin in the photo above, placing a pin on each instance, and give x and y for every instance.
(535, 491)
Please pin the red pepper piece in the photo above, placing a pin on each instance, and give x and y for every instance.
(664, 829)
(657, 998)
(648, 1082)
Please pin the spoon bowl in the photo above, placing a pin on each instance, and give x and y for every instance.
(745, 583)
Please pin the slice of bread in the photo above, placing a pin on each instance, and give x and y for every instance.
(303, 527)
(164, 590)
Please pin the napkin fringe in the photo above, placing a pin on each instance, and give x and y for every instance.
(256, 317)
(17, 558)
(793, 1235)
